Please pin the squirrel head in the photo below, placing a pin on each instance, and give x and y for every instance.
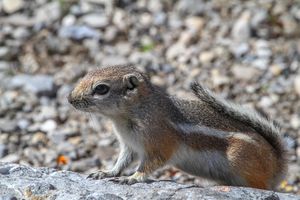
(110, 91)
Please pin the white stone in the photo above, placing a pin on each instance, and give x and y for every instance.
(206, 57)
(241, 29)
(95, 20)
(290, 25)
(276, 69)
(240, 49)
(69, 20)
(297, 84)
(48, 13)
(146, 19)
(194, 23)
(295, 122)
(113, 60)
(175, 50)
(120, 19)
(244, 72)
(218, 78)
(265, 102)
(186, 37)
(48, 125)
(11, 6)
(261, 63)
(36, 84)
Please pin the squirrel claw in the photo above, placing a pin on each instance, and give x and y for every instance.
(125, 180)
(100, 175)
(137, 177)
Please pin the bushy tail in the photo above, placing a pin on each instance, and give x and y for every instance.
(263, 126)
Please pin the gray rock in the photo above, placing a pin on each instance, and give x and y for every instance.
(264, 53)
(174, 51)
(8, 125)
(290, 25)
(39, 84)
(295, 10)
(124, 48)
(195, 23)
(174, 21)
(239, 49)
(187, 37)
(120, 19)
(191, 7)
(5, 66)
(110, 33)
(39, 183)
(241, 31)
(155, 6)
(244, 72)
(289, 142)
(61, 134)
(57, 45)
(10, 158)
(3, 150)
(23, 124)
(34, 127)
(8, 197)
(63, 93)
(46, 112)
(206, 57)
(78, 32)
(95, 20)
(82, 164)
(261, 63)
(19, 20)
(21, 33)
(218, 78)
(259, 17)
(4, 53)
(159, 18)
(113, 60)
(48, 13)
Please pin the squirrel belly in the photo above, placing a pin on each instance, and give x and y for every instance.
(208, 137)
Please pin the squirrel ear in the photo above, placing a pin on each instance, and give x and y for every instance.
(131, 81)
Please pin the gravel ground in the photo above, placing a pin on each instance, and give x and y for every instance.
(247, 51)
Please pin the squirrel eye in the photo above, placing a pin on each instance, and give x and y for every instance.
(101, 89)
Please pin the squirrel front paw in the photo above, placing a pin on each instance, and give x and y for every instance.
(102, 174)
(137, 177)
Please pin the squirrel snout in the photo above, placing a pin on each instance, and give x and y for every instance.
(79, 102)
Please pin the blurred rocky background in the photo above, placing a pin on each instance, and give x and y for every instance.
(247, 51)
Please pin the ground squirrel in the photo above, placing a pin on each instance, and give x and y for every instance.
(208, 137)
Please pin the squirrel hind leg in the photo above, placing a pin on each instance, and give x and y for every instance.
(252, 157)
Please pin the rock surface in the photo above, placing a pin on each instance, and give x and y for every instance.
(19, 181)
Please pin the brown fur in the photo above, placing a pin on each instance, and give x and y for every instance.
(159, 149)
(255, 161)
